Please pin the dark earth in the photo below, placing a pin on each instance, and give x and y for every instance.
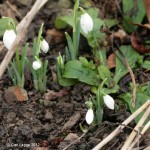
(51, 121)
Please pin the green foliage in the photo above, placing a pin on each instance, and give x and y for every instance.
(105, 73)
(39, 76)
(75, 70)
(73, 43)
(134, 11)
(16, 68)
(146, 64)
(142, 96)
(132, 57)
(60, 69)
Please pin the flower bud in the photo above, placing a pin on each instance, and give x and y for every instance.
(8, 38)
(109, 101)
(89, 116)
(60, 61)
(36, 65)
(44, 46)
(86, 23)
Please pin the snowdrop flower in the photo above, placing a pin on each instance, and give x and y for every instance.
(109, 101)
(44, 46)
(86, 23)
(8, 38)
(89, 116)
(36, 65)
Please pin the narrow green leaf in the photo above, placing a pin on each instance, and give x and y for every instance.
(71, 47)
(24, 53)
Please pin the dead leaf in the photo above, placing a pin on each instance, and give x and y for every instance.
(147, 25)
(71, 122)
(16, 93)
(136, 44)
(55, 35)
(53, 95)
(119, 34)
(147, 8)
(111, 63)
(71, 137)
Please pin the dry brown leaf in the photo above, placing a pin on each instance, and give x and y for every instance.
(55, 35)
(53, 95)
(147, 25)
(137, 45)
(111, 63)
(15, 93)
(147, 8)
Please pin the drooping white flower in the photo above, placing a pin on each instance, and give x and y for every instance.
(8, 38)
(44, 46)
(36, 65)
(86, 23)
(109, 101)
(89, 116)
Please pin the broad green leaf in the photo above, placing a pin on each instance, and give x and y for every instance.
(105, 73)
(84, 61)
(146, 64)
(64, 81)
(141, 98)
(131, 56)
(67, 82)
(110, 22)
(134, 11)
(75, 70)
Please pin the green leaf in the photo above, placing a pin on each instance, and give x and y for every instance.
(71, 47)
(141, 98)
(84, 61)
(99, 115)
(75, 70)
(104, 72)
(64, 81)
(24, 53)
(134, 11)
(146, 64)
(131, 55)
(110, 22)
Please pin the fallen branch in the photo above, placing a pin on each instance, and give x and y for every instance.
(119, 128)
(21, 32)
(131, 137)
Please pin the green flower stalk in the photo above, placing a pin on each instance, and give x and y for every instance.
(73, 43)
(37, 67)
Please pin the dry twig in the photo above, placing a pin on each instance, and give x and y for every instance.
(145, 128)
(119, 128)
(131, 137)
(21, 31)
(14, 9)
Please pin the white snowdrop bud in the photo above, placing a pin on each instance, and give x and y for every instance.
(109, 101)
(44, 46)
(36, 65)
(8, 38)
(86, 23)
(89, 116)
